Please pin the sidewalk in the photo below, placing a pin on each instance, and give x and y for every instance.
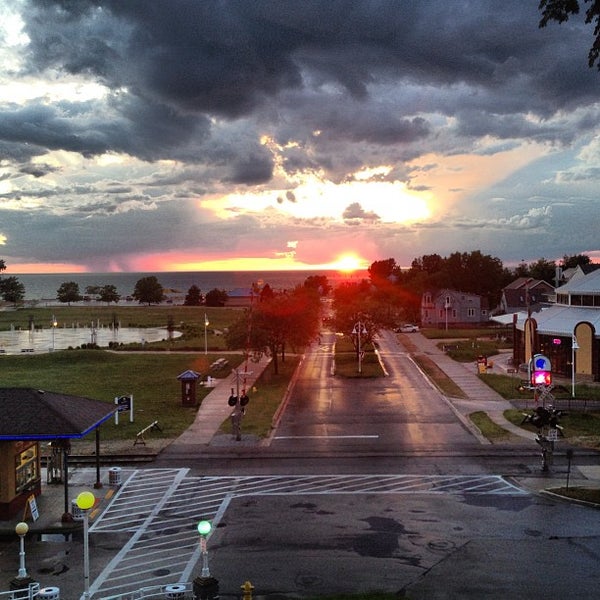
(480, 397)
(213, 410)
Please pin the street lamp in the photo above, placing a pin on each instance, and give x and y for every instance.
(205, 586)
(359, 329)
(574, 346)
(85, 501)
(22, 580)
(21, 530)
(204, 528)
(54, 324)
(206, 324)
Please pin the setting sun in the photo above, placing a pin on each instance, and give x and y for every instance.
(348, 262)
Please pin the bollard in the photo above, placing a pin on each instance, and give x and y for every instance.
(174, 592)
(247, 590)
(114, 476)
(76, 512)
(49, 593)
(206, 588)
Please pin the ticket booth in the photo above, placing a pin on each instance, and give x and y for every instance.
(30, 417)
(189, 380)
(20, 475)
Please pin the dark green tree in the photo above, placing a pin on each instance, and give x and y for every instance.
(193, 296)
(561, 10)
(12, 290)
(69, 292)
(148, 290)
(581, 260)
(543, 269)
(216, 297)
(319, 283)
(108, 293)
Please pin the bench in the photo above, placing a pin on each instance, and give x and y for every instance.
(220, 363)
(26, 349)
(139, 438)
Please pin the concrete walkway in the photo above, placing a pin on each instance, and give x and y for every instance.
(480, 397)
(214, 409)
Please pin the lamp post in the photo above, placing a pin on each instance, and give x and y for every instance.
(574, 346)
(359, 329)
(21, 530)
(206, 324)
(205, 587)
(54, 324)
(85, 501)
(22, 580)
(204, 528)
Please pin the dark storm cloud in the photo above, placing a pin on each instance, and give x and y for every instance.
(183, 59)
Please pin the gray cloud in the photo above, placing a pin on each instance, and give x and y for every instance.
(338, 86)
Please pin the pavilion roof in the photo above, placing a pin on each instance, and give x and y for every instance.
(30, 414)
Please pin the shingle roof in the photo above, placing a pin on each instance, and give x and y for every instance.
(29, 414)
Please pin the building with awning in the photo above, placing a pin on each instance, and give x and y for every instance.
(29, 417)
(567, 329)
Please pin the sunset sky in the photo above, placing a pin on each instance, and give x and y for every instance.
(160, 135)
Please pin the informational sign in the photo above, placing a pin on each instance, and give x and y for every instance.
(31, 508)
(124, 404)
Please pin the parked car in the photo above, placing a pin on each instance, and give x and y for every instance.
(408, 328)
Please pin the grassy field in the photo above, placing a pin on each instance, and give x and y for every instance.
(151, 378)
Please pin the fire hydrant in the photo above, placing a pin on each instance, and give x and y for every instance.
(247, 590)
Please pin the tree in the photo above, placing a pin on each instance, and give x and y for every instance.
(68, 292)
(288, 319)
(383, 270)
(108, 294)
(12, 290)
(577, 260)
(216, 297)
(193, 296)
(319, 283)
(561, 10)
(148, 290)
(544, 270)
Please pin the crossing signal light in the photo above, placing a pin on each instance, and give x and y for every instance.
(541, 374)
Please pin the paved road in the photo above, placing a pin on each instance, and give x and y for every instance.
(433, 536)
(394, 413)
(155, 512)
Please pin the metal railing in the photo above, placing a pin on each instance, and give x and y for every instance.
(179, 591)
(28, 593)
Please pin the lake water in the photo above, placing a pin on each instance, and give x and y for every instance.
(43, 287)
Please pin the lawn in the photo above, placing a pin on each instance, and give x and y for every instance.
(346, 360)
(102, 375)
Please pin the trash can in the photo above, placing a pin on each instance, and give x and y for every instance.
(114, 476)
(49, 593)
(175, 591)
(76, 512)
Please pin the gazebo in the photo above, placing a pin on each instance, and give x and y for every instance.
(31, 416)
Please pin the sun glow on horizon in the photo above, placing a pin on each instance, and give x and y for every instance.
(348, 263)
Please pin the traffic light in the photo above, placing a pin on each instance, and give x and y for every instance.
(541, 373)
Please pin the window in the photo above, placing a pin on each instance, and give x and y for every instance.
(470, 312)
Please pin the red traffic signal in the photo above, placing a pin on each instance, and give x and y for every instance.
(541, 378)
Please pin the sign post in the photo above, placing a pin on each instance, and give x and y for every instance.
(124, 404)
